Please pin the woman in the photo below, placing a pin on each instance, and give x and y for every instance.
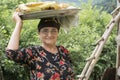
(48, 61)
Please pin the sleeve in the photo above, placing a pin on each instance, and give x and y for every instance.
(65, 54)
(21, 56)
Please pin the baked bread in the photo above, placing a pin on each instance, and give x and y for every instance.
(40, 6)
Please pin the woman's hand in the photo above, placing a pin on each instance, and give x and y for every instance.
(17, 18)
(14, 40)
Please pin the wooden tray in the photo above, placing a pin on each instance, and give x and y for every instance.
(49, 13)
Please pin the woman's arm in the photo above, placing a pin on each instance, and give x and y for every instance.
(14, 40)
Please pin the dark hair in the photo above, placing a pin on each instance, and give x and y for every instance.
(48, 22)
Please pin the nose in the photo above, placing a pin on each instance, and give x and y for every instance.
(49, 33)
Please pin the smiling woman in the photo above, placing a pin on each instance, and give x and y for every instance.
(47, 61)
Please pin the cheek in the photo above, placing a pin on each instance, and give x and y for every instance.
(40, 36)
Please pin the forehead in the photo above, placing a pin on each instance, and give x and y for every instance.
(49, 28)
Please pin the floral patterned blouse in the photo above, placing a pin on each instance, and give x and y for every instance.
(43, 64)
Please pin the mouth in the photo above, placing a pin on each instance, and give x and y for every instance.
(49, 38)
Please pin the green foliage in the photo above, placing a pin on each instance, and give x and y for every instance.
(80, 40)
(10, 70)
(30, 33)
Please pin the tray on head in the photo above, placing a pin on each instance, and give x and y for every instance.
(49, 13)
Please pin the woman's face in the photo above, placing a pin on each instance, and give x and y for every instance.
(48, 35)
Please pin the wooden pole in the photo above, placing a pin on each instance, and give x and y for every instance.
(96, 53)
(105, 37)
(118, 47)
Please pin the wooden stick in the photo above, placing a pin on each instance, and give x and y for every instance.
(87, 64)
(97, 51)
(105, 36)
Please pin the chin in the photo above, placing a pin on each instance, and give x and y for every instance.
(50, 43)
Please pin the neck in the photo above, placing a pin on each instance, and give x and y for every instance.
(50, 48)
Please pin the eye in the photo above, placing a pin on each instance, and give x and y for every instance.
(54, 31)
(44, 30)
